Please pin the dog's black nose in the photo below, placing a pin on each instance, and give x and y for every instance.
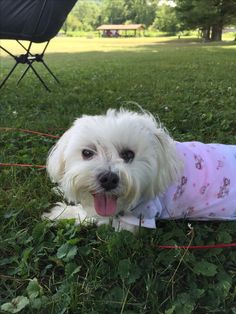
(108, 180)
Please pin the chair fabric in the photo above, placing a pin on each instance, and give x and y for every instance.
(21, 20)
(35, 21)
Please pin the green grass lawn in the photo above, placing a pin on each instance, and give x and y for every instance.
(59, 268)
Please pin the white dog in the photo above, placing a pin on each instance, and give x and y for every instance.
(125, 165)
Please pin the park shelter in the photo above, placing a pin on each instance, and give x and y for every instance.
(111, 30)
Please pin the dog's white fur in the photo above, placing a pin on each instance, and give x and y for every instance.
(155, 165)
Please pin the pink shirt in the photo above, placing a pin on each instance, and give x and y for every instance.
(205, 191)
(207, 188)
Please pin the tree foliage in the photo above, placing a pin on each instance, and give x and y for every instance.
(166, 19)
(168, 16)
(85, 16)
(141, 11)
(209, 16)
(113, 12)
(120, 11)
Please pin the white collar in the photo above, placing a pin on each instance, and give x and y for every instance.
(144, 213)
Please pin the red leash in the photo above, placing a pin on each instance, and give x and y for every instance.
(196, 247)
(22, 165)
(30, 132)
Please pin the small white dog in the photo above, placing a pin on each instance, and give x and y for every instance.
(125, 165)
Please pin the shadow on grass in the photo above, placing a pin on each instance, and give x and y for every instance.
(171, 79)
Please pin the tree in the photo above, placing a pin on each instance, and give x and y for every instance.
(114, 12)
(209, 16)
(71, 24)
(141, 11)
(166, 19)
(136, 11)
(87, 13)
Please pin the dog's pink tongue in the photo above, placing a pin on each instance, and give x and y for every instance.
(105, 205)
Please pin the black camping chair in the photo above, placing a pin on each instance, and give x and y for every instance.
(36, 21)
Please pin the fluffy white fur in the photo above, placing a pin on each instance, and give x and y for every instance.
(154, 167)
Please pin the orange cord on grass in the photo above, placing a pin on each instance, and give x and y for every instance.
(30, 132)
(21, 165)
(196, 247)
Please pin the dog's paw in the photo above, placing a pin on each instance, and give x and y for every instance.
(63, 211)
(120, 225)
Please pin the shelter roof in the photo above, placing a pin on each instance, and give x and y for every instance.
(120, 27)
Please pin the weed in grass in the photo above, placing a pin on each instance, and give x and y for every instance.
(63, 268)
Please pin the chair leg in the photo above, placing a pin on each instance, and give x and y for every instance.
(24, 73)
(8, 75)
(50, 71)
(45, 65)
(8, 52)
(22, 76)
(39, 77)
(26, 49)
(28, 58)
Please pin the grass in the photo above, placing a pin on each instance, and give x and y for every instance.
(61, 268)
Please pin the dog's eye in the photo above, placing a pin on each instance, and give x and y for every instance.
(87, 154)
(127, 155)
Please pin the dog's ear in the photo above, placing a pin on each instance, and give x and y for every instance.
(56, 158)
(169, 163)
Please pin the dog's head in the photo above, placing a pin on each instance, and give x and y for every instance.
(109, 163)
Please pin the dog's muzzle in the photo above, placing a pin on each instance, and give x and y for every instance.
(105, 203)
(108, 180)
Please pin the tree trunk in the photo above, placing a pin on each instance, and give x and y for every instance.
(216, 34)
(65, 27)
(206, 33)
